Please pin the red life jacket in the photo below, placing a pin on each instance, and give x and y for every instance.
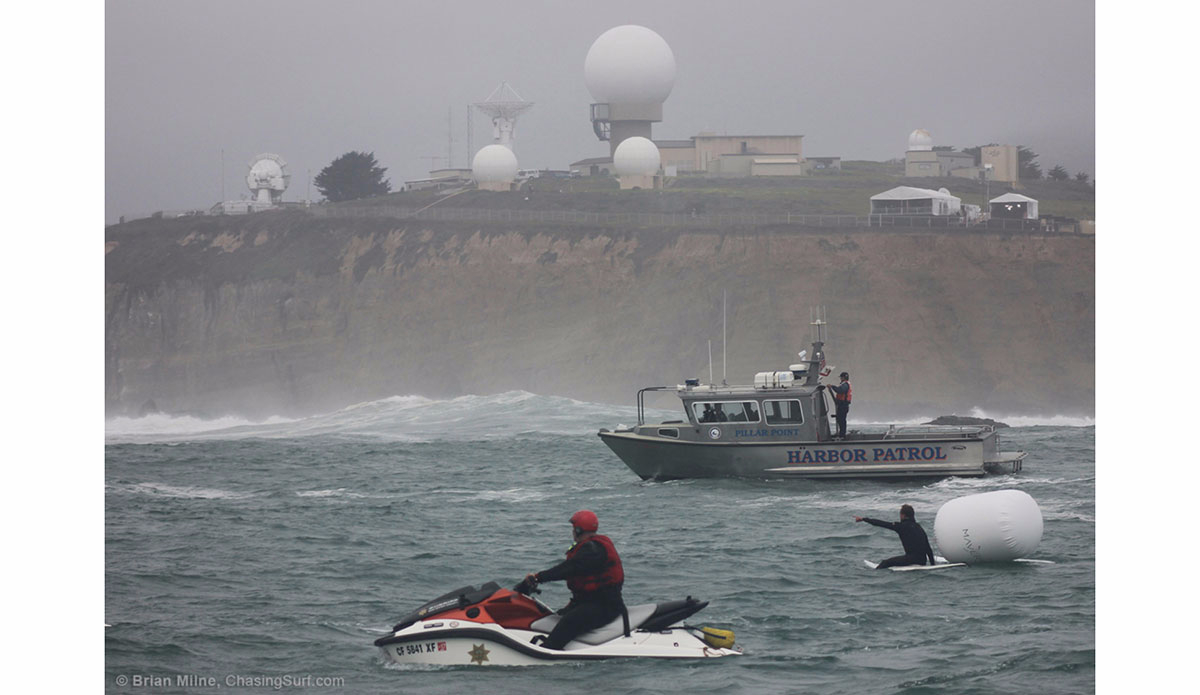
(844, 396)
(613, 575)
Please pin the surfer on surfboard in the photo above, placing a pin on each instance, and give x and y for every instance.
(912, 537)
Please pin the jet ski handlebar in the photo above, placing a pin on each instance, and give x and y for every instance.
(527, 586)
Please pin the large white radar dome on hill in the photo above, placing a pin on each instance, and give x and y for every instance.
(636, 156)
(629, 64)
(920, 141)
(494, 164)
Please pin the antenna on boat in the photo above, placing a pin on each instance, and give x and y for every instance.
(724, 362)
(710, 376)
(816, 317)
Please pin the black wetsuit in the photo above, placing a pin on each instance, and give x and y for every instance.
(586, 611)
(912, 537)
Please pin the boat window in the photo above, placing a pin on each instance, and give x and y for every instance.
(668, 432)
(783, 412)
(727, 411)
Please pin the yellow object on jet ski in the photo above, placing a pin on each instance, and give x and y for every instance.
(720, 639)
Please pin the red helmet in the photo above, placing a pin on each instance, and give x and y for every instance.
(585, 520)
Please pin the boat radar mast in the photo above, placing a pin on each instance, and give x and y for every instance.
(817, 368)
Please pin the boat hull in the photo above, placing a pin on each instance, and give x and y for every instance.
(435, 643)
(659, 458)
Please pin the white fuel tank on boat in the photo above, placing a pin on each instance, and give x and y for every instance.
(989, 527)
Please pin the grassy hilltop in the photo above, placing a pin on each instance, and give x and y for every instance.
(847, 192)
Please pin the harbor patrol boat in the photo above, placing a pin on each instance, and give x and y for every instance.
(778, 427)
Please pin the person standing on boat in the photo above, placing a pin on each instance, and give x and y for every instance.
(912, 537)
(594, 575)
(842, 394)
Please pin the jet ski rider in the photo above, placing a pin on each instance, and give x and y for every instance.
(594, 575)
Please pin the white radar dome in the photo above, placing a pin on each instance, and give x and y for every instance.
(920, 141)
(636, 156)
(629, 64)
(494, 164)
(989, 527)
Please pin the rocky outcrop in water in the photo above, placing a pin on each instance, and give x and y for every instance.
(965, 420)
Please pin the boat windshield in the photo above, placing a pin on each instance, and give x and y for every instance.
(725, 411)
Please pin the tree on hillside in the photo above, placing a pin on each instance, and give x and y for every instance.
(352, 176)
(1058, 173)
(1027, 169)
(977, 152)
(1081, 177)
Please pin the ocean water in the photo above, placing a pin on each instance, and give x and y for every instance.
(268, 556)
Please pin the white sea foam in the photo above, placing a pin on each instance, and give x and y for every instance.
(1013, 420)
(159, 424)
(187, 492)
(512, 495)
(339, 492)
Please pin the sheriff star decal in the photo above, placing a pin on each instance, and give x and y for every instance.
(479, 654)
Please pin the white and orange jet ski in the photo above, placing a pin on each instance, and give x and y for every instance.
(492, 626)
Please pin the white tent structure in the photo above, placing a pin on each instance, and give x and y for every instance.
(907, 200)
(1013, 206)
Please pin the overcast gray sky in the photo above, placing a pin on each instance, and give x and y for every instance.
(311, 80)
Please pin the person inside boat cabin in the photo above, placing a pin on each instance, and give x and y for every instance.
(842, 394)
(912, 537)
(594, 575)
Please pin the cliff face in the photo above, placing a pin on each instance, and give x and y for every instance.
(289, 314)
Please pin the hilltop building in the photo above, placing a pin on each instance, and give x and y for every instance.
(724, 156)
(907, 200)
(923, 159)
(997, 162)
(1013, 206)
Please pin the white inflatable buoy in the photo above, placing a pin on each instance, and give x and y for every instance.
(988, 527)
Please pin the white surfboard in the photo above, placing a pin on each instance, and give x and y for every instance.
(914, 568)
(911, 568)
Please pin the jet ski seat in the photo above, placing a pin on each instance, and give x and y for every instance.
(616, 628)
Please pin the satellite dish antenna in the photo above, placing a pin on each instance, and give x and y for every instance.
(268, 178)
(504, 105)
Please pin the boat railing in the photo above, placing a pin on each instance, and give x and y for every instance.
(931, 431)
(641, 400)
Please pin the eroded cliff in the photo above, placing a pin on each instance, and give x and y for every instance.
(287, 313)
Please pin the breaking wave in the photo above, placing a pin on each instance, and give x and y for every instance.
(419, 419)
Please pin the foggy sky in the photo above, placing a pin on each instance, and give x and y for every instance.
(310, 81)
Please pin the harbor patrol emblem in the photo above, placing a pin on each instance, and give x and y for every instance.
(479, 654)
(714, 433)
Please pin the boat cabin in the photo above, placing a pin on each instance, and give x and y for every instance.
(761, 413)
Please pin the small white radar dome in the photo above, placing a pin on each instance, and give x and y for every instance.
(636, 156)
(989, 527)
(920, 141)
(494, 164)
(629, 64)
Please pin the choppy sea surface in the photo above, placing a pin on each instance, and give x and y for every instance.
(268, 556)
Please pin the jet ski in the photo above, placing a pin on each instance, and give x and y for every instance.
(493, 626)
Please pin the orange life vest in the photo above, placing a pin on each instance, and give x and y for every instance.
(612, 576)
(844, 396)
